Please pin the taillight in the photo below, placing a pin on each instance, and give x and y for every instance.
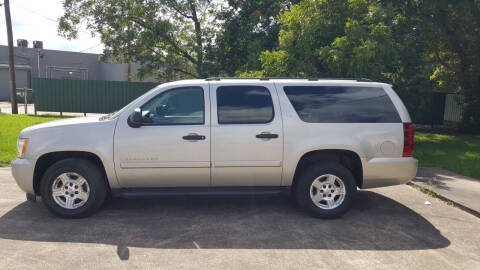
(408, 139)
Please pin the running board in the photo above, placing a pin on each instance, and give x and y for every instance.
(142, 193)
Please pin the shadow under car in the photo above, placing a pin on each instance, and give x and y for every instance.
(375, 222)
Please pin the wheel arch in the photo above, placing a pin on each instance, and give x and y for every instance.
(348, 158)
(48, 159)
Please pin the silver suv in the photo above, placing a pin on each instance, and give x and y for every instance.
(317, 139)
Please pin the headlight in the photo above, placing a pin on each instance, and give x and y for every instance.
(21, 147)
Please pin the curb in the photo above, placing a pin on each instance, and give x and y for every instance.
(442, 198)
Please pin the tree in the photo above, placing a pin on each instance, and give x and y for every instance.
(335, 38)
(453, 27)
(418, 46)
(170, 39)
(249, 28)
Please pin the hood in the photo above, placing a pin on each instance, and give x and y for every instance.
(61, 124)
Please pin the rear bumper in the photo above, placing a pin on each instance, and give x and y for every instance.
(22, 171)
(381, 172)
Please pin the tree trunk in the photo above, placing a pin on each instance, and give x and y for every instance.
(470, 87)
(11, 63)
(198, 37)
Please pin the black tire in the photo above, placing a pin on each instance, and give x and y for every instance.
(88, 170)
(309, 174)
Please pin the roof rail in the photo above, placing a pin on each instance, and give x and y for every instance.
(294, 78)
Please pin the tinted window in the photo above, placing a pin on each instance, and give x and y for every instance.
(244, 105)
(181, 106)
(342, 104)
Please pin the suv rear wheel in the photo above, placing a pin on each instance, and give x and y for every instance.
(73, 188)
(326, 190)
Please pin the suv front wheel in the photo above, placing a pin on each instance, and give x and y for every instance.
(325, 190)
(73, 188)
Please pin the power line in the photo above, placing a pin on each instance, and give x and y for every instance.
(39, 14)
(55, 21)
(45, 17)
(91, 47)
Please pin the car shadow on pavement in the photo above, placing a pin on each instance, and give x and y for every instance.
(375, 223)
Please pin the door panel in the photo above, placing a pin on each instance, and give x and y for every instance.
(242, 153)
(172, 148)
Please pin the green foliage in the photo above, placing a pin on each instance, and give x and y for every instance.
(307, 28)
(249, 28)
(418, 46)
(274, 64)
(325, 38)
(454, 30)
(336, 39)
(250, 74)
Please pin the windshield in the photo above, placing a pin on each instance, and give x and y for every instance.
(117, 113)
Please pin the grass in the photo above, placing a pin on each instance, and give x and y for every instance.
(10, 127)
(460, 154)
(425, 190)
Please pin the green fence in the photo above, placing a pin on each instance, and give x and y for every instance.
(434, 108)
(85, 96)
(426, 108)
(454, 107)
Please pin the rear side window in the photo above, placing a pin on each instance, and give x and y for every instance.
(244, 105)
(342, 104)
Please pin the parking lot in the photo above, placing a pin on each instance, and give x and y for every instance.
(387, 228)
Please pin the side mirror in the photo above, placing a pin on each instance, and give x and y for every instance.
(135, 119)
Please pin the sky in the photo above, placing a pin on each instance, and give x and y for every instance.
(37, 20)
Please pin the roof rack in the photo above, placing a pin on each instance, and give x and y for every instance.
(294, 78)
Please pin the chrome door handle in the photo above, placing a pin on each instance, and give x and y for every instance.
(267, 136)
(193, 137)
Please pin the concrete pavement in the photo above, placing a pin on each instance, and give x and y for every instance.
(6, 107)
(458, 188)
(387, 228)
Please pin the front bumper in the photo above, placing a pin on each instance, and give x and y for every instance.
(22, 171)
(382, 172)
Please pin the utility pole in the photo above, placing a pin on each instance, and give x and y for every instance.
(11, 63)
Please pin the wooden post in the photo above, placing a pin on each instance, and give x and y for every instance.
(34, 107)
(11, 63)
(129, 71)
(25, 100)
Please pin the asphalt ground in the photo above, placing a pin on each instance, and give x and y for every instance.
(386, 228)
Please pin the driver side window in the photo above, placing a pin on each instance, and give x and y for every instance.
(179, 106)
